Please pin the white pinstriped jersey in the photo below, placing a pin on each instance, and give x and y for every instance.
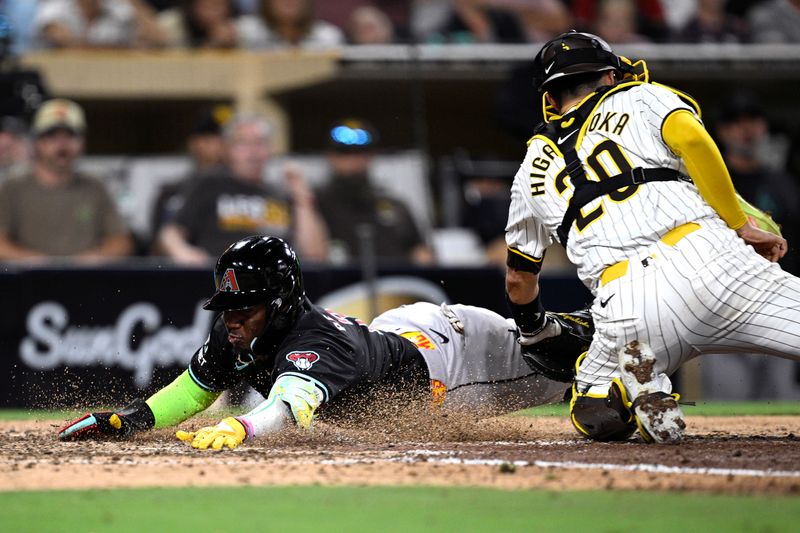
(623, 132)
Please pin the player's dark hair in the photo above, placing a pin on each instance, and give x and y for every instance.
(574, 86)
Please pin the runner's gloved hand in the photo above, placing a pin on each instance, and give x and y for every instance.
(230, 432)
(109, 424)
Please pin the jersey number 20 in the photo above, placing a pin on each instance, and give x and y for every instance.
(593, 161)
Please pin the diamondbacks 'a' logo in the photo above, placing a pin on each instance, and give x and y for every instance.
(303, 360)
(228, 282)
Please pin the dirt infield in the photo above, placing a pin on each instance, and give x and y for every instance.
(731, 455)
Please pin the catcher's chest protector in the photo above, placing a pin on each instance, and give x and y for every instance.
(564, 132)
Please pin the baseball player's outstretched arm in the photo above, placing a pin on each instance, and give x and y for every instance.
(171, 405)
(291, 399)
(687, 137)
(179, 401)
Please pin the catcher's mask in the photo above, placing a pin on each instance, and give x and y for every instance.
(573, 53)
(257, 270)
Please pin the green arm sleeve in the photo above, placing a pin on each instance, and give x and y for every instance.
(687, 137)
(179, 400)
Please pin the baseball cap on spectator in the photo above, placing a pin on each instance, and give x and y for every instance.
(352, 135)
(59, 113)
(741, 104)
(211, 121)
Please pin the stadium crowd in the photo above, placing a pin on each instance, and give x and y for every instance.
(224, 197)
(254, 24)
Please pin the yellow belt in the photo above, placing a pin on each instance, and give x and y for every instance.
(671, 238)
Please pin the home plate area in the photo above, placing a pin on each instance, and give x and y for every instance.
(720, 454)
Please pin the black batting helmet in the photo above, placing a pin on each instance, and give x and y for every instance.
(257, 270)
(573, 53)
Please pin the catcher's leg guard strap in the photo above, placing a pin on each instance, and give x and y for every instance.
(603, 418)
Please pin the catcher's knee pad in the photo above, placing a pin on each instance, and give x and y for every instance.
(603, 418)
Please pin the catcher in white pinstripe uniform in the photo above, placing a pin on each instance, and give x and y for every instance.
(626, 177)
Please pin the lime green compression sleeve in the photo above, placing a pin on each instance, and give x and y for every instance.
(689, 140)
(179, 400)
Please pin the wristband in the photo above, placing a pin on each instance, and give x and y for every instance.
(529, 317)
(138, 414)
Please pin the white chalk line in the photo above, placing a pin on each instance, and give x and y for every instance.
(433, 457)
(664, 469)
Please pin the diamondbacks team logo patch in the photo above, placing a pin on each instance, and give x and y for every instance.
(303, 360)
(228, 282)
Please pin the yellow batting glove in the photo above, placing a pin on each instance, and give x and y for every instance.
(230, 432)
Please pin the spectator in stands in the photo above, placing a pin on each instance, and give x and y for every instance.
(232, 205)
(351, 201)
(163, 5)
(486, 183)
(677, 14)
(712, 24)
(96, 24)
(776, 21)
(202, 24)
(617, 22)
(54, 210)
(369, 25)
(486, 212)
(14, 148)
(544, 19)
(282, 23)
(475, 21)
(339, 13)
(622, 21)
(206, 148)
(743, 130)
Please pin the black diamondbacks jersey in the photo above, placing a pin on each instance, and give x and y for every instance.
(336, 352)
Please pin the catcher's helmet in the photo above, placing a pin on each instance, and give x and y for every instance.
(257, 270)
(573, 53)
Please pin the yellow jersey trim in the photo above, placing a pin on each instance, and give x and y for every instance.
(616, 88)
(683, 96)
(525, 256)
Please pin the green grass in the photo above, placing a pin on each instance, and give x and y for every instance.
(701, 409)
(27, 414)
(389, 509)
